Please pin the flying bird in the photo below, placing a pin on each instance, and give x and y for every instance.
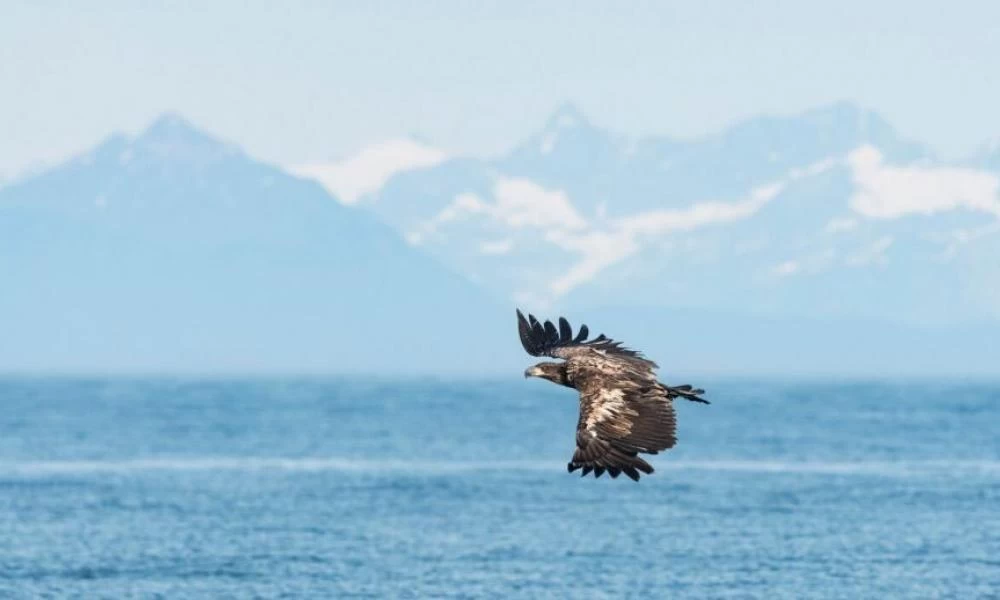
(624, 410)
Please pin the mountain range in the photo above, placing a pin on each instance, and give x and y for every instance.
(829, 213)
(176, 252)
(823, 242)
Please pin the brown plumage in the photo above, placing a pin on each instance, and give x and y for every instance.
(624, 410)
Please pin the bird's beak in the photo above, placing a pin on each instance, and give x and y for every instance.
(532, 372)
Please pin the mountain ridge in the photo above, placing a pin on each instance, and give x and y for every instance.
(175, 251)
(566, 215)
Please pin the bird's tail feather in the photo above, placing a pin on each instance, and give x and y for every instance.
(687, 392)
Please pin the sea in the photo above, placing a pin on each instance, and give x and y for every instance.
(432, 488)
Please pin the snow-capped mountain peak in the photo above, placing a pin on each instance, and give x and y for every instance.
(807, 213)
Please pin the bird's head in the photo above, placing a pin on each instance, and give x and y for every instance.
(554, 372)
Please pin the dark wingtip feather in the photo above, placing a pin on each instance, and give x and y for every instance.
(565, 331)
(524, 331)
(536, 326)
(551, 334)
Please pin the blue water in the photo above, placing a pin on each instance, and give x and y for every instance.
(338, 489)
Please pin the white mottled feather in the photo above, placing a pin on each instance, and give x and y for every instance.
(608, 408)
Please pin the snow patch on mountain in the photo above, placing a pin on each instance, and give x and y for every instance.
(597, 251)
(789, 267)
(497, 247)
(889, 192)
(808, 264)
(841, 225)
(623, 237)
(873, 253)
(355, 178)
(954, 240)
(698, 215)
(516, 203)
(524, 203)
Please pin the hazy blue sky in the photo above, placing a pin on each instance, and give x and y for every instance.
(301, 81)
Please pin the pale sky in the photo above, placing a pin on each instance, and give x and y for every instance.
(295, 82)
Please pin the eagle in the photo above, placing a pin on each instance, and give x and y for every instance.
(624, 410)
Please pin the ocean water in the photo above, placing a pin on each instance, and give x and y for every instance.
(432, 489)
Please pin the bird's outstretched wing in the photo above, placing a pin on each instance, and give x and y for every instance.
(618, 420)
(601, 354)
(545, 339)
